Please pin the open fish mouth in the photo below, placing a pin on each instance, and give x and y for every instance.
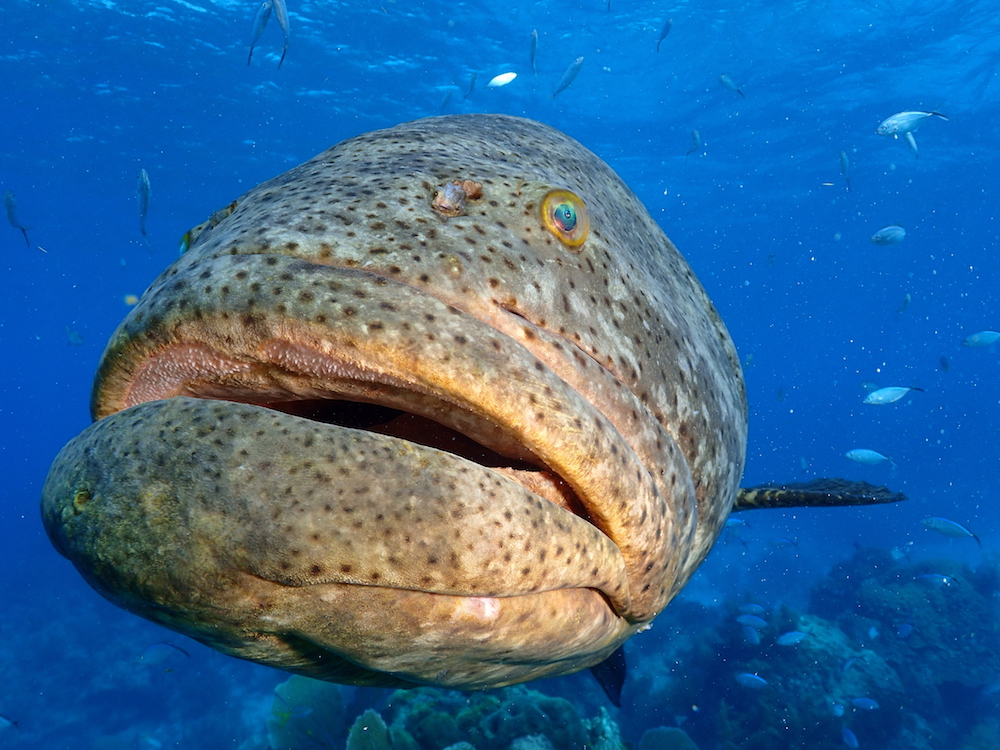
(378, 405)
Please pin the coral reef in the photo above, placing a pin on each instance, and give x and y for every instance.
(306, 714)
(666, 738)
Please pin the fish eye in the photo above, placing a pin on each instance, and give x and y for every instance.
(565, 215)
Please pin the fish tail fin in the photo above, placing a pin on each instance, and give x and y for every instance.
(914, 388)
(978, 541)
(741, 93)
(938, 114)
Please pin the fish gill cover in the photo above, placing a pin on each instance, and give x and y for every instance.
(776, 223)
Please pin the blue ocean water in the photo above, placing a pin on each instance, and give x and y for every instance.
(94, 91)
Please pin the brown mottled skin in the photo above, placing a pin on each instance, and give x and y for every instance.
(599, 396)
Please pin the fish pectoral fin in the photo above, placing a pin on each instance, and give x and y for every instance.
(826, 492)
(610, 674)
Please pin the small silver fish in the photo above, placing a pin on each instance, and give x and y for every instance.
(868, 457)
(937, 580)
(534, 50)
(142, 194)
(447, 98)
(727, 82)
(501, 80)
(949, 528)
(849, 738)
(746, 679)
(259, 22)
(10, 202)
(791, 638)
(281, 11)
(663, 33)
(889, 394)
(569, 76)
(981, 338)
(890, 235)
(845, 169)
(472, 85)
(752, 621)
(695, 143)
(905, 122)
(750, 608)
(751, 635)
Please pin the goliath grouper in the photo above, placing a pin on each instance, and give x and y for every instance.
(441, 406)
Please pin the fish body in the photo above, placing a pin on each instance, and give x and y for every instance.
(259, 23)
(752, 681)
(534, 51)
(568, 77)
(865, 704)
(10, 203)
(981, 338)
(695, 143)
(664, 31)
(845, 168)
(281, 13)
(891, 235)
(791, 638)
(728, 83)
(142, 195)
(905, 122)
(446, 100)
(472, 86)
(501, 80)
(902, 125)
(849, 738)
(750, 608)
(937, 580)
(867, 456)
(889, 394)
(751, 635)
(345, 400)
(752, 621)
(435, 418)
(949, 528)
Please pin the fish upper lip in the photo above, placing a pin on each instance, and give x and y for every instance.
(257, 351)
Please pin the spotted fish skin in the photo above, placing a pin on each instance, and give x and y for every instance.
(598, 378)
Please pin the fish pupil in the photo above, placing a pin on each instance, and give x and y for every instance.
(565, 217)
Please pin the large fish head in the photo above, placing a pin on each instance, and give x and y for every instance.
(442, 405)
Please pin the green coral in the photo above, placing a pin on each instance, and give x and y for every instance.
(491, 720)
(306, 714)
